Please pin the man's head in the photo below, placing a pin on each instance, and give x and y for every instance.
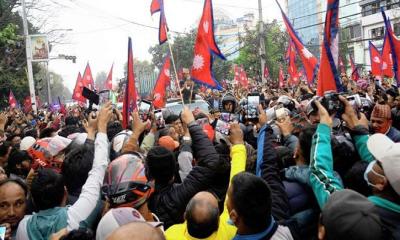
(160, 165)
(48, 189)
(249, 203)
(19, 163)
(137, 230)
(228, 106)
(303, 149)
(75, 169)
(349, 215)
(175, 122)
(202, 215)
(381, 118)
(383, 174)
(13, 195)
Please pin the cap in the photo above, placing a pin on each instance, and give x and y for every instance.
(350, 215)
(26, 143)
(58, 144)
(168, 142)
(120, 139)
(388, 153)
(117, 217)
(78, 138)
(382, 111)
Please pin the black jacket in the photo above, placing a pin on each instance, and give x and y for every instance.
(169, 200)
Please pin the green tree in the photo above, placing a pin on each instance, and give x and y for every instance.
(276, 42)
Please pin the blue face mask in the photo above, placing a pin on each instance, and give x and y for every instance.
(369, 169)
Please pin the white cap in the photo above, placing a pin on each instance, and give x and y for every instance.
(388, 153)
(26, 143)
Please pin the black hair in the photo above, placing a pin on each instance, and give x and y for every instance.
(285, 157)
(76, 166)
(354, 179)
(200, 116)
(16, 181)
(46, 132)
(17, 157)
(160, 164)
(71, 121)
(305, 142)
(4, 148)
(251, 198)
(344, 154)
(31, 133)
(113, 128)
(79, 234)
(68, 130)
(171, 119)
(47, 189)
(201, 228)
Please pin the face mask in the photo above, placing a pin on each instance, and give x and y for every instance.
(369, 169)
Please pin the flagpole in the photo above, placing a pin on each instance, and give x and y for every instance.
(173, 65)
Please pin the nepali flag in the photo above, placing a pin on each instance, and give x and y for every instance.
(62, 107)
(130, 96)
(12, 100)
(341, 66)
(292, 69)
(243, 80)
(204, 49)
(387, 62)
(87, 79)
(376, 60)
(395, 48)
(77, 94)
(310, 62)
(266, 72)
(163, 80)
(281, 78)
(354, 70)
(109, 84)
(328, 76)
(158, 6)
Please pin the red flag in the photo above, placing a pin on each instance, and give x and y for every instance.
(354, 70)
(204, 47)
(87, 79)
(130, 97)
(387, 62)
(328, 77)
(77, 94)
(310, 62)
(341, 65)
(206, 28)
(27, 104)
(109, 84)
(244, 81)
(236, 73)
(394, 47)
(155, 6)
(62, 107)
(12, 100)
(281, 78)
(292, 69)
(266, 72)
(159, 92)
(376, 60)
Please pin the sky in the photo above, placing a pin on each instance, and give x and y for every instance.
(99, 29)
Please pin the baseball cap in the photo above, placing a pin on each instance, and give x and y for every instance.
(168, 142)
(117, 217)
(350, 215)
(388, 153)
(26, 143)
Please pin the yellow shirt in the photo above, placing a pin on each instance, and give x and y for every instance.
(225, 230)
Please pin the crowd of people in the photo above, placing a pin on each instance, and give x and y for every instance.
(296, 167)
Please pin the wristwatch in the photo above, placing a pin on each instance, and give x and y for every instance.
(187, 139)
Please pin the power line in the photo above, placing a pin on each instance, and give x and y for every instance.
(312, 14)
(225, 5)
(351, 15)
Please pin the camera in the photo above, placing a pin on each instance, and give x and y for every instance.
(331, 102)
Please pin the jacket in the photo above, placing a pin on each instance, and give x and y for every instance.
(225, 230)
(81, 214)
(393, 134)
(169, 201)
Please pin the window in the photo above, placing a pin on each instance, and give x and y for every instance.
(377, 32)
(396, 28)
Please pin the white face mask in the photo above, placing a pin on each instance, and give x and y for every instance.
(369, 169)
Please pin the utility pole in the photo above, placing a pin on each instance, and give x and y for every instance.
(49, 98)
(29, 58)
(262, 43)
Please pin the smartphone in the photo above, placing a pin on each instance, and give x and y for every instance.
(104, 97)
(253, 101)
(144, 109)
(159, 118)
(229, 117)
(202, 121)
(222, 127)
(90, 95)
(3, 232)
